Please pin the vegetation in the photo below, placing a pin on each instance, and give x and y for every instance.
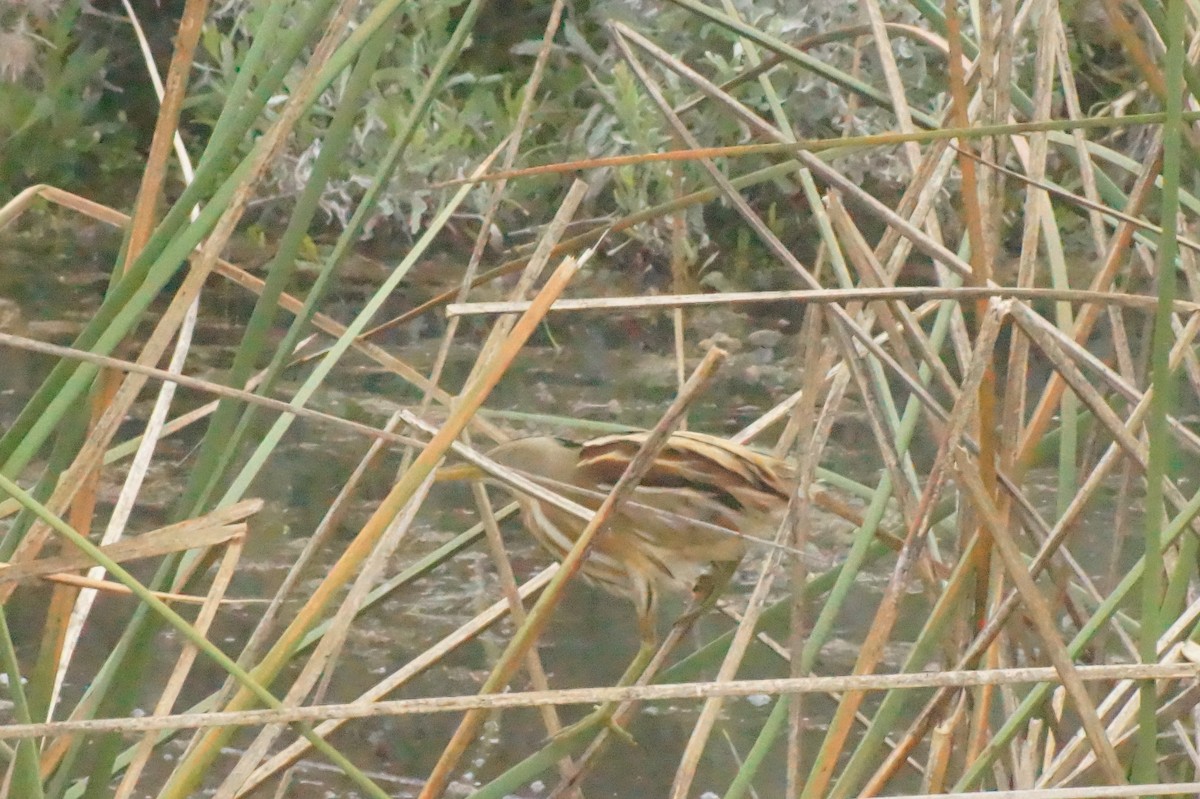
(962, 238)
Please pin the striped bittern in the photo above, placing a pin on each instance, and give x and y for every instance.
(683, 528)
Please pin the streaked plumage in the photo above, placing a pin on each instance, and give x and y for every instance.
(679, 529)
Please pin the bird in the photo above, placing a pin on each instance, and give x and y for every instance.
(683, 529)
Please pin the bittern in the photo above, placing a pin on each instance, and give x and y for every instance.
(682, 529)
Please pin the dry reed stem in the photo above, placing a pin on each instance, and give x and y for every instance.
(941, 747)
(716, 94)
(364, 708)
(240, 277)
(1103, 280)
(174, 685)
(321, 536)
(810, 449)
(213, 528)
(1012, 411)
(1095, 792)
(205, 386)
(549, 240)
(886, 613)
(362, 545)
(1124, 728)
(324, 657)
(92, 451)
(846, 325)
(545, 244)
(897, 319)
(1074, 110)
(1171, 649)
(166, 123)
(533, 268)
(516, 608)
(826, 296)
(76, 606)
(525, 637)
(742, 638)
(1049, 547)
(120, 589)
(997, 453)
(432, 655)
(1063, 352)
(1094, 206)
(1039, 610)
(805, 147)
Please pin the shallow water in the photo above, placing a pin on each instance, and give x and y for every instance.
(613, 370)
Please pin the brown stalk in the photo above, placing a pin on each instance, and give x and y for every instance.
(55, 646)
(941, 746)
(120, 589)
(1039, 610)
(358, 550)
(847, 327)
(1051, 544)
(897, 319)
(809, 456)
(539, 616)
(826, 296)
(324, 656)
(1118, 248)
(170, 692)
(320, 537)
(562, 217)
(546, 245)
(1037, 179)
(516, 608)
(794, 528)
(468, 631)
(631, 693)
(1121, 705)
(973, 209)
(91, 453)
(743, 636)
(147, 545)
(928, 714)
(996, 44)
(881, 626)
(92, 450)
(810, 146)
(1074, 110)
(242, 278)
(198, 384)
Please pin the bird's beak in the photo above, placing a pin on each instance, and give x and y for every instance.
(459, 471)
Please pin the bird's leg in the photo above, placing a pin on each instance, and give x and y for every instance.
(602, 716)
(707, 590)
(610, 716)
(705, 593)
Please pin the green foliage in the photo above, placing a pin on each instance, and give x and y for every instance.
(54, 128)
(590, 105)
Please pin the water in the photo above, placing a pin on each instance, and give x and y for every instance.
(614, 370)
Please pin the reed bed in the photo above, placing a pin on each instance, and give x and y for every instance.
(1011, 334)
